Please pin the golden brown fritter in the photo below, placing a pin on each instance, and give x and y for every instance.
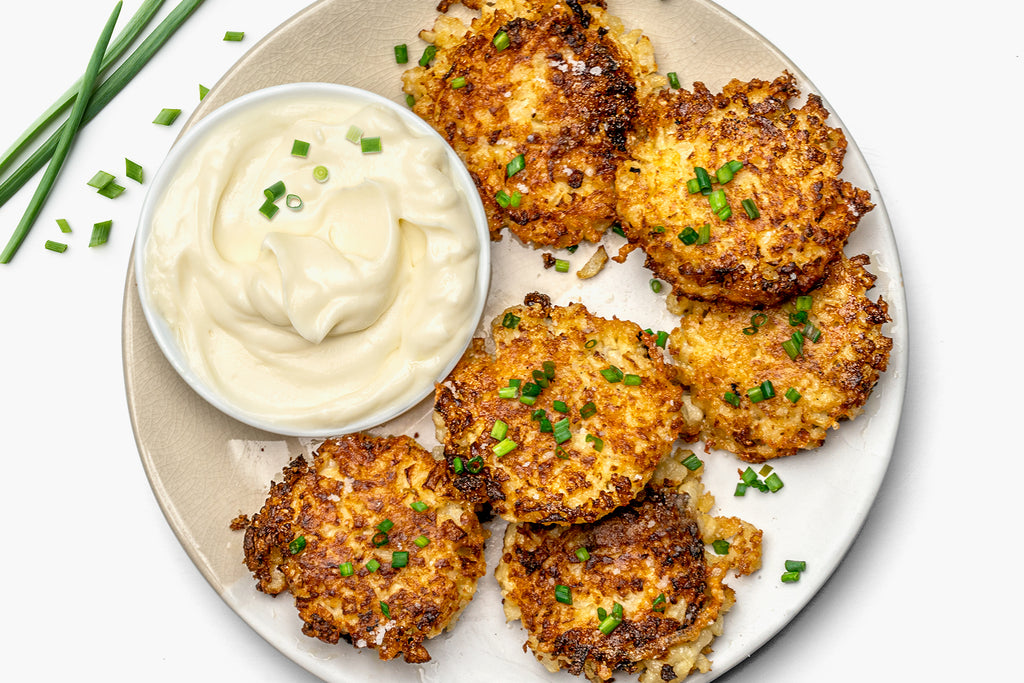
(328, 513)
(615, 431)
(563, 94)
(791, 166)
(651, 558)
(833, 376)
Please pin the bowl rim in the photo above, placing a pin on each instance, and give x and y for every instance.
(165, 337)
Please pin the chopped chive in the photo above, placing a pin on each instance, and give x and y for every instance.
(721, 547)
(386, 526)
(531, 389)
(527, 400)
(703, 179)
(561, 265)
(751, 209)
(321, 174)
(661, 338)
(402, 53)
(458, 82)
(385, 610)
(300, 148)
(673, 80)
(804, 302)
(755, 395)
(725, 213)
(741, 489)
(693, 186)
(773, 482)
(538, 414)
(499, 430)
(688, 236)
(811, 332)
(516, 199)
(609, 624)
(503, 199)
(275, 191)
(419, 506)
(563, 594)
(510, 321)
(797, 318)
(692, 463)
(234, 36)
(658, 229)
(100, 180)
(591, 343)
(545, 425)
(704, 234)
(501, 41)
(735, 166)
(504, 447)
(410, 101)
(768, 389)
(399, 558)
(659, 603)
(58, 247)
(380, 539)
(540, 378)
(602, 614)
(617, 229)
(582, 554)
(293, 202)
(457, 465)
(428, 54)
(517, 164)
(421, 541)
(612, 374)
(560, 406)
(203, 92)
(561, 454)
(370, 145)
(133, 171)
(655, 285)
(795, 565)
(732, 399)
(632, 380)
(572, 248)
(297, 545)
(588, 409)
(166, 117)
(100, 233)
(791, 349)
(346, 569)
(749, 476)
(765, 470)
(515, 382)
(475, 464)
(793, 395)
(724, 174)
(790, 577)
(111, 190)
(269, 209)
(354, 134)
(597, 441)
(717, 200)
(64, 226)
(372, 566)
(507, 392)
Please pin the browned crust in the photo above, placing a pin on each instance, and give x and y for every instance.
(792, 162)
(637, 424)
(335, 502)
(834, 376)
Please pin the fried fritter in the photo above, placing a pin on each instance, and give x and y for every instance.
(650, 557)
(563, 94)
(328, 513)
(585, 444)
(834, 376)
(791, 166)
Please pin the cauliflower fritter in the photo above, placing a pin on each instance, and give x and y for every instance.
(649, 557)
(562, 93)
(791, 162)
(579, 443)
(834, 376)
(320, 536)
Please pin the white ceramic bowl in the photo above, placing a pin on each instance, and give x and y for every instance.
(166, 338)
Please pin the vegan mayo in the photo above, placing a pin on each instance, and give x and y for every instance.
(324, 315)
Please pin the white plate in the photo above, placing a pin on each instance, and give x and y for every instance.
(205, 468)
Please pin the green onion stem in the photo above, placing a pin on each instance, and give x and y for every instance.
(117, 48)
(102, 96)
(66, 138)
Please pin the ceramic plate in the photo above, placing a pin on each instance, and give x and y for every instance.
(205, 468)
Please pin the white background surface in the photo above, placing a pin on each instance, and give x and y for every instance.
(97, 584)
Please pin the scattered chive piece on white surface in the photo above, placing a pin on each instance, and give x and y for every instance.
(234, 36)
(58, 247)
(300, 148)
(100, 233)
(166, 116)
(133, 171)
(111, 190)
(100, 180)
(64, 226)
(203, 91)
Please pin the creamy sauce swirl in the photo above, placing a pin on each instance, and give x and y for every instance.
(318, 317)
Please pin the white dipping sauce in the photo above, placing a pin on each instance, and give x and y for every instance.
(318, 317)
